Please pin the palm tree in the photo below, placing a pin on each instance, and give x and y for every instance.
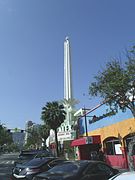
(53, 114)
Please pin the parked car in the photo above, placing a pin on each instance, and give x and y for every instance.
(37, 165)
(44, 153)
(27, 155)
(80, 170)
(124, 176)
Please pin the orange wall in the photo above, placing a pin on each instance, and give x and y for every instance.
(122, 128)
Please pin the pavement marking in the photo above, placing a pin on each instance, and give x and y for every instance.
(7, 162)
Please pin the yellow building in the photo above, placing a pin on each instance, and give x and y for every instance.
(116, 134)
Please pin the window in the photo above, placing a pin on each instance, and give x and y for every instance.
(54, 163)
(105, 169)
(91, 169)
(111, 146)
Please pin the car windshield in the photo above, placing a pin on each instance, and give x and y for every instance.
(36, 162)
(65, 168)
(44, 154)
(26, 156)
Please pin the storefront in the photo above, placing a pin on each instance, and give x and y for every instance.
(115, 140)
(86, 146)
(117, 134)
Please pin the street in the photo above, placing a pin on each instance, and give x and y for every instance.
(6, 165)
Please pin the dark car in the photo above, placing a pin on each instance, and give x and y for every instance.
(27, 155)
(79, 170)
(37, 165)
(44, 153)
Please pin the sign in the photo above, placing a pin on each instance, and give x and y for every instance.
(68, 135)
(62, 136)
(118, 149)
(89, 140)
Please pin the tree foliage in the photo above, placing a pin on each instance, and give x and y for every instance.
(5, 136)
(116, 84)
(44, 132)
(37, 136)
(33, 139)
(53, 114)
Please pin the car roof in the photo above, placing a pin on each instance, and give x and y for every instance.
(78, 162)
(87, 162)
(34, 152)
(42, 159)
(37, 161)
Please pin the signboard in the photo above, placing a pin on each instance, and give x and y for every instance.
(62, 136)
(68, 135)
(89, 140)
(118, 149)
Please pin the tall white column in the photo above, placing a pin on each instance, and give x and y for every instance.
(67, 71)
(67, 80)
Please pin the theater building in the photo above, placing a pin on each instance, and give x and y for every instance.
(113, 133)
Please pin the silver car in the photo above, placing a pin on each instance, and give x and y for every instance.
(124, 176)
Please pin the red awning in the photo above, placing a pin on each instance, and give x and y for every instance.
(78, 142)
(86, 140)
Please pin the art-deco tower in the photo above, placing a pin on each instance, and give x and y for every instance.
(67, 71)
(68, 83)
(66, 126)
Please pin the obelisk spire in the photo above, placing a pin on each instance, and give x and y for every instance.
(67, 70)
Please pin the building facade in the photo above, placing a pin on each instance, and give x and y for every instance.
(18, 139)
(116, 134)
(28, 125)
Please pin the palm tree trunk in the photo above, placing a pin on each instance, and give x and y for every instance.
(56, 141)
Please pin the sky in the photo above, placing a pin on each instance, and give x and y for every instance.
(32, 34)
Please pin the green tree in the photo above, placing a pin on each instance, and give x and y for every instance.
(13, 147)
(44, 132)
(116, 84)
(5, 136)
(53, 114)
(33, 139)
(37, 136)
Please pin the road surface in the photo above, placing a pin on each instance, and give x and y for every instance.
(6, 165)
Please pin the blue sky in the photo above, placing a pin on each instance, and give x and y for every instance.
(32, 34)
